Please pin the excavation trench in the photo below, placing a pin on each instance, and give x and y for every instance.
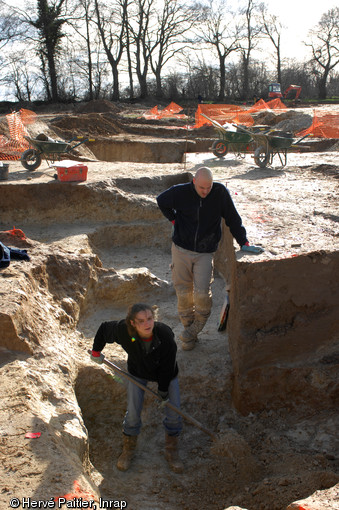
(96, 247)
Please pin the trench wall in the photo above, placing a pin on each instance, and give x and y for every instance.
(148, 150)
(283, 330)
(283, 321)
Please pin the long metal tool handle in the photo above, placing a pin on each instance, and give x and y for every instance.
(214, 122)
(151, 392)
(302, 138)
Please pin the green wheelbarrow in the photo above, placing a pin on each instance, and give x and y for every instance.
(234, 140)
(271, 143)
(51, 150)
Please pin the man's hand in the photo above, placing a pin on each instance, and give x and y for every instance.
(251, 248)
(97, 357)
(164, 398)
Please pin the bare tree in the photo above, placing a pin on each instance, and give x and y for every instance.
(172, 21)
(129, 56)
(10, 25)
(201, 78)
(271, 28)
(112, 26)
(83, 13)
(139, 22)
(218, 29)
(324, 45)
(250, 37)
(20, 75)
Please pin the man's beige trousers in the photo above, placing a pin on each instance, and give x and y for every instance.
(192, 276)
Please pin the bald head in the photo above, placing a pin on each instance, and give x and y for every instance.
(203, 181)
(205, 173)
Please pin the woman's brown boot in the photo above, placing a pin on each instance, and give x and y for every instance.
(172, 455)
(127, 454)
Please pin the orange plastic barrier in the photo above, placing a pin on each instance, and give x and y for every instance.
(75, 495)
(154, 111)
(15, 232)
(276, 104)
(324, 125)
(222, 113)
(27, 116)
(171, 110)
(258, 106)
(12, 148)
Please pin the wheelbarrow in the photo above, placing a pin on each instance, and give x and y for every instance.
(229, 140)
(51, 150)
(265, 143)
(271, 143)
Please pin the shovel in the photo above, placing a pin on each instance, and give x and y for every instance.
(129, 377)
(224, 313)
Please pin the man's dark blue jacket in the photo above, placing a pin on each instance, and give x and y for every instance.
(197, 221)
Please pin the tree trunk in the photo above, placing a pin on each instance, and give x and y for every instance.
(130, 70)
(143, 87)
(115, 94)
(322, 89)
(89, 63)
(278, 65)
(245, 84)
(222, 80)
(159, 92)
(52, 76)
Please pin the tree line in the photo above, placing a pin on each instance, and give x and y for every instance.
(73, 50)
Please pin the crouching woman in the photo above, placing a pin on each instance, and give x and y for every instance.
(151, 351)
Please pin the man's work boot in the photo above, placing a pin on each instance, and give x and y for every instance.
(172, 456)
(185, 308)
(127, 454)
(188, 339)
(189, 336)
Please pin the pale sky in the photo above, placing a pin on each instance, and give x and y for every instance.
(299, 16)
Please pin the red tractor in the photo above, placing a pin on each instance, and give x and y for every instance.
(274, 90)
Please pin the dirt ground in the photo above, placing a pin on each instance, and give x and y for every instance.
(99, 245)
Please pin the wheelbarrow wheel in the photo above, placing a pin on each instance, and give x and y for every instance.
(261, 157)
(30, 159)
(219, 148)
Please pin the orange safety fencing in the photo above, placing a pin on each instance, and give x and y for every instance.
(235, 114)
(15, 232)
(11, 148)
(76, 494)
(222, 113)
(324, 125)
(171, 110)
(273, 104)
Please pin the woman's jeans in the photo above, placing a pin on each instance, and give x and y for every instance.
(135, 399)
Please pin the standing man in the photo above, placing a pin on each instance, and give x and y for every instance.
(196, 210)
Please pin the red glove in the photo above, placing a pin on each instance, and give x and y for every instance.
(97, 357)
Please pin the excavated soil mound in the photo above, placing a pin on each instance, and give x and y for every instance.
(292, 121)
(98, 106)
(90, 124)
